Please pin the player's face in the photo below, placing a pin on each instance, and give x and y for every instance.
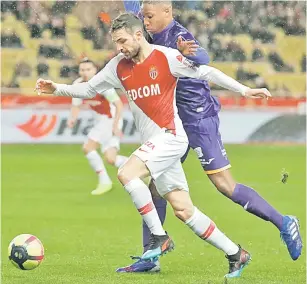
(127, 43)
(154, 17)
(87, 70)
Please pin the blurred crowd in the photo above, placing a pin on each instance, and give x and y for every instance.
(207, 20)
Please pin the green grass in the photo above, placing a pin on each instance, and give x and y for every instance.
(46, 192)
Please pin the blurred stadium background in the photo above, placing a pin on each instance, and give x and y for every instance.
(261, 44)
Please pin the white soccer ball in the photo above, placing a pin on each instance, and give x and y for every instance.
(26, 252)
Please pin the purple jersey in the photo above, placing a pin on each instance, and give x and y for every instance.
(193, 97)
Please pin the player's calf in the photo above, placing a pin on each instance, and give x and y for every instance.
(181, 203)
(110, 157)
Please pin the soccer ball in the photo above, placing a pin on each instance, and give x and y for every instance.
(26, 252)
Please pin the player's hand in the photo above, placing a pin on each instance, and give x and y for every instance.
(44, 86)
(262, 93)
(187, 47)
(71, 123)
(116, 131)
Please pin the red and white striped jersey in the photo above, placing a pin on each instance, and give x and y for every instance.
(150, 88)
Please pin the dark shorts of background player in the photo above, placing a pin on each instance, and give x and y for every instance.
(205, 140)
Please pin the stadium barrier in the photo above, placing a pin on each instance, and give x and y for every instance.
(34, 125)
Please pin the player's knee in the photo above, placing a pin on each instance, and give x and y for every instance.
(123, 175)
(86, 149)
(110, 160)
(184, 213)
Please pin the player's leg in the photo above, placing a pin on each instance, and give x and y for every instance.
(131, 175)
(172, 184)
(206, 141)
(96, 163)
(101, 133)
(253, 203)
(110, 151)
(159, 154)
(160, 204)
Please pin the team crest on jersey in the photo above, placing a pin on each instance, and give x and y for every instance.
(153, 73)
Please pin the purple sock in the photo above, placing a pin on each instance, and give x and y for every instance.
(160, 204)
(252, 202)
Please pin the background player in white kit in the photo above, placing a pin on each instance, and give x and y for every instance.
(148, 74)
(107, 112)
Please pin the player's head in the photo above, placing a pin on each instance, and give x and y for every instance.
(128, 34)
(87, 69)
(157, 15)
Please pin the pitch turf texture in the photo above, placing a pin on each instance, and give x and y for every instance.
(46, 192)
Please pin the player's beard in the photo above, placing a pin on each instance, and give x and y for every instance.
(136, 53)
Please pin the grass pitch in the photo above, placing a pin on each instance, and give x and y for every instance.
(46, 192)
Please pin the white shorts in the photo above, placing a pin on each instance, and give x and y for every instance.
(162, 154)
(102, 133)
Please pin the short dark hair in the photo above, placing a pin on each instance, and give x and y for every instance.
(127, 21)
(87, 60)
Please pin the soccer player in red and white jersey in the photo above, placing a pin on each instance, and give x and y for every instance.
(107, 112)
(148, 74)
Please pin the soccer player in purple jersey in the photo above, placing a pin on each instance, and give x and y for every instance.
(198, 111)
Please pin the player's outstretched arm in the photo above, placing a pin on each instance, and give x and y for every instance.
(104, 80)
(182, 67)
(81, 90)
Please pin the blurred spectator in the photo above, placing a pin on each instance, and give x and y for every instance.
(23, 69)
(303, 63)
(292, 28)
(22, 10)
(58, 27)
(260, 83)
(278, 62)
(243, 75)
(236, 52)
(62, 7)
(10, 39)
(257, 54)
(42, 69)
(14, 82)
(89, 33)
(216, 47)
(261, 33)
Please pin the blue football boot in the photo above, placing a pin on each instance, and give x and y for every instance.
(290, 234)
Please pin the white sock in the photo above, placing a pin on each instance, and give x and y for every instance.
(142, 200)
(120, 160)
(97, 165)
(204, 227)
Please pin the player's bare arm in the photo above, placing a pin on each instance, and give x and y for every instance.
(113, 98)
(74, 112)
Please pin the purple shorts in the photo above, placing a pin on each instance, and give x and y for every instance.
(205, 140)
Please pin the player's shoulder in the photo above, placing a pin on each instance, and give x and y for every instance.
(116, 59)
(180, 30)
(167, 51)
